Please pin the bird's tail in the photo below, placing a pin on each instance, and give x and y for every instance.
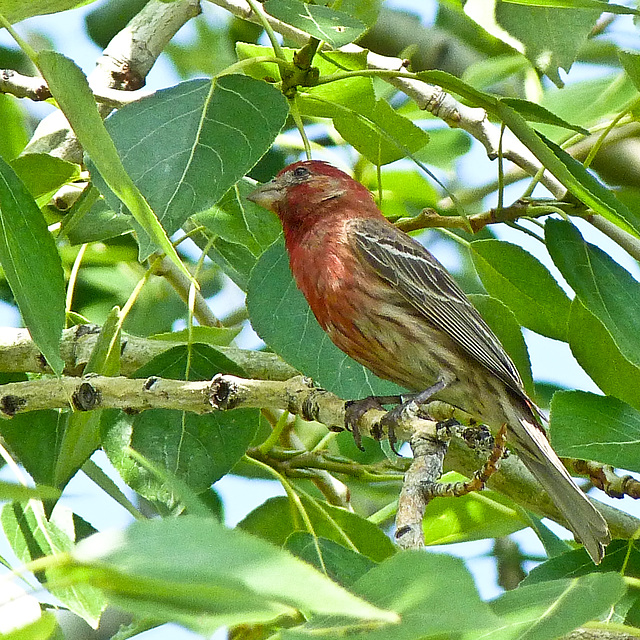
(583, 518)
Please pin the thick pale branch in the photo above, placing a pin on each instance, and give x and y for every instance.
(18, 353)
(124, 65)
(298, 396)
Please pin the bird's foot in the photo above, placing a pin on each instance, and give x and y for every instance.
(407, 409)
(355, 409)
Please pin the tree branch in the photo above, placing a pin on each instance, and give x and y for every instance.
(299, 397)
(124, 65)
(18, 353)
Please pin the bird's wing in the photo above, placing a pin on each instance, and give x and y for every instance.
(419, 277)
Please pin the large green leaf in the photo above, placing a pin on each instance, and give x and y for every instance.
(335, 27)
(478, 515)
(592, 427)
(548, 610)
(282, 318)
(601, 284)
(276, 519)
(597, 353)
(195, 571)
(380, 135)
(186, 146)
(70, 88)
(419, 587)
(32, 266)
(16, 10)
(514, 276)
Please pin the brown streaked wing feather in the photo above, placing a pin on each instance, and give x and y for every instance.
(411, 269)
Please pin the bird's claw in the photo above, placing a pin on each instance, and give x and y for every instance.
(353, 411)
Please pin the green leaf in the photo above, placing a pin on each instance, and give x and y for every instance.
(535, 113)
(33, 536)
(599, 5)
(631, 63)
(215, 336)
(186, 146)
(241, 221)
(335, 27)
(515, 277)
(34, 437)
(382, 135)
(503, 323)
(597, 353)
(419, 587)
(195, 571)
(197, 449)
(16, 10)
(282, 318)
(70, 88)
(495, 70)
(476, 516)
(32, 266)
(276, 519)
(11, 491)
(548, 610)
(592, 427)
(43, 174)
(15, 134)
(340, 564)
(601, 284)
(324, 100)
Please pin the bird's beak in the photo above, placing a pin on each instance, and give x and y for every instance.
(268, 195)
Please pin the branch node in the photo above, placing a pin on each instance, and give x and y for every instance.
(86, 397)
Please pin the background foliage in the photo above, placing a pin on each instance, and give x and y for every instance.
(317, 561)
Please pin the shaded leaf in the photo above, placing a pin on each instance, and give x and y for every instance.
(282, 318)
(196, 571)
(335, 27)
(592, 427)
(525, 285)
(342, 565)
(596, 352)
(276, 519)
(32, 266)
(601, 284)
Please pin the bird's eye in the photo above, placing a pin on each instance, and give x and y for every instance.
(300, 172)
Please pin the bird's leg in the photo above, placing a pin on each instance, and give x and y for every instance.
(479, 479)
(355, 409)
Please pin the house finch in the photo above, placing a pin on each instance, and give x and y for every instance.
(389, 304)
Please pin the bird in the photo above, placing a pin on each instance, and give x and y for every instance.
(385, 301)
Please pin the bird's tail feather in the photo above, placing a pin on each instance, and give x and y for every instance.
(583, 518)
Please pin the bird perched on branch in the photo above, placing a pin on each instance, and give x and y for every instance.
(389, 304)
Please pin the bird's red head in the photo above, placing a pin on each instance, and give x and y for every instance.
(310, 190)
